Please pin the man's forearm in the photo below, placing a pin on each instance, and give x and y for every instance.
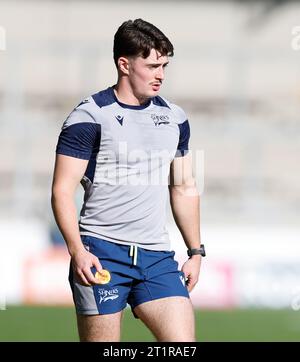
(65, 213)
(185, 204)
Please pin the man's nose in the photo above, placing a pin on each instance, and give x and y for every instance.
(160, 73)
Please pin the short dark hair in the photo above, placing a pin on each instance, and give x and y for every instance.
(137, 38)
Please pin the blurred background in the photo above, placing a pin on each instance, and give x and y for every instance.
(236, 73)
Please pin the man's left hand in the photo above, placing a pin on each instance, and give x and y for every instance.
(191, 270)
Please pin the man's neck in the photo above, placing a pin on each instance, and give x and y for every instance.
(125, 95)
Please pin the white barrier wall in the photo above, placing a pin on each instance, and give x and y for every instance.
(246, 266)
(19, 240)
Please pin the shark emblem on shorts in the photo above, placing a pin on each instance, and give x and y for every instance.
(106, 295)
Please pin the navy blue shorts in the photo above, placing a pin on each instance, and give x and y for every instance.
(137, 276)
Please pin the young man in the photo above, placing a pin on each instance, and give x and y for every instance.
(123, 144)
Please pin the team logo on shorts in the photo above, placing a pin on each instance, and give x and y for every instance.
(106, 295)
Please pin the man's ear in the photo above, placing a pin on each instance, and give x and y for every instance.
(123, 65)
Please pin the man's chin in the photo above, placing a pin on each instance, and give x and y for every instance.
(150, 94)
(154, 93)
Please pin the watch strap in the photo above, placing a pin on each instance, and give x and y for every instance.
(197, 251)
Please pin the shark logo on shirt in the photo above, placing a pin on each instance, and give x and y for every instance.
(158, 120)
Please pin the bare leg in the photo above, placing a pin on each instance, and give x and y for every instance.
(99, 328)
(169, 319)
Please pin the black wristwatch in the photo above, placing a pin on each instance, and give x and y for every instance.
(200, 251)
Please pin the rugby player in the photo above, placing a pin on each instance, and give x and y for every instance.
(128, 147)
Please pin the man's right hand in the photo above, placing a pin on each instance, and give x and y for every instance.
(82, 262)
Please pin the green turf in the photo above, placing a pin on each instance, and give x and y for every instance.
(58, 324)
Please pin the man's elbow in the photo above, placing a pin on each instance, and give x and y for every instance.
(60, 194)
(187, 188)
(55, 196)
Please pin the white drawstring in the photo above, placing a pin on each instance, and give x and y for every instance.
(134, 252)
